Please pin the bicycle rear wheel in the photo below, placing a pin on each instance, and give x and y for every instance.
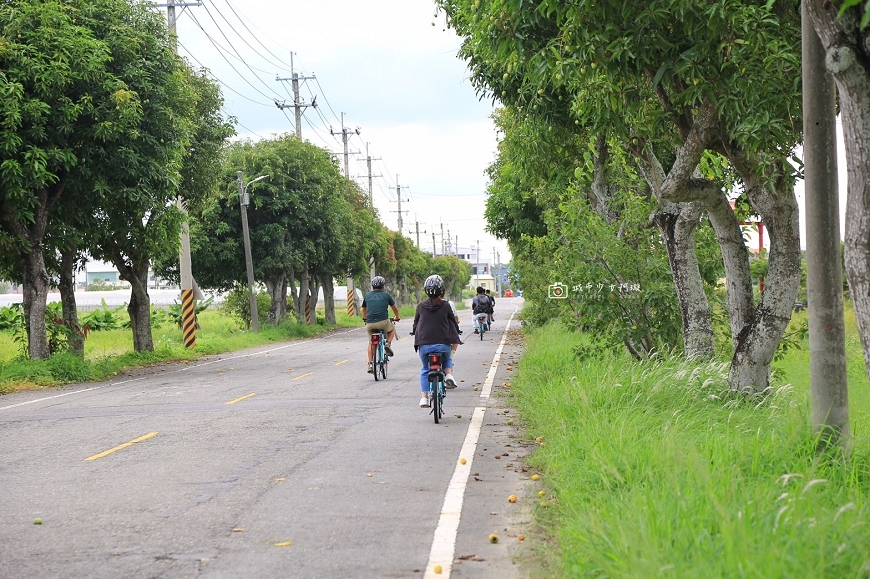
(384, 365)
(436, 400)
(375, 362)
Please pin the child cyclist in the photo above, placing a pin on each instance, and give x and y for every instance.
(481, 306)
(435, 330)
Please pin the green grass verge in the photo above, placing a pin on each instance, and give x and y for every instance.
(655, 470)
(109, 352)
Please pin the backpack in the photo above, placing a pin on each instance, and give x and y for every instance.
(481, 303)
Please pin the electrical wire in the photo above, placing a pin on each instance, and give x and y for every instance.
(237, 54)
(255, 37)
(242, 37)
(269, 105)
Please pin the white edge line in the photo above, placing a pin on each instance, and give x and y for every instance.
(444, 542)
(185, 369)
(50, 397)
(493, 368)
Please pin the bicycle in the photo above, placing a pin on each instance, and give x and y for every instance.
(436, 385)
(481, 324)
(380, 360)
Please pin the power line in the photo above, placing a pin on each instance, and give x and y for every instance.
(269, 105)
(255, 37)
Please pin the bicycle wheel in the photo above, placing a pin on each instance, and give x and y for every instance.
(482, 331)
(384, 365)
(375, 362)
(436, 400)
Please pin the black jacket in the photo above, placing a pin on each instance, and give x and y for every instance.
(434, 324)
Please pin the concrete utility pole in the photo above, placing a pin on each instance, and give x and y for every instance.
(369, 165)
(345, 133)
(399, 200)
(418, 234)
(433, 245)
(829, 392)
(443, 247)
(298, 103)
(188, 305)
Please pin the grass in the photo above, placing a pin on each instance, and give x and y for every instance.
(655, 470)
(110, 352)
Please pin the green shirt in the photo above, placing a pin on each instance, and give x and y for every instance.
(376, 304)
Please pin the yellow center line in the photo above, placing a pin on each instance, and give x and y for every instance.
(240, 399)
(122, 446)
(342, 362)
(303, 376)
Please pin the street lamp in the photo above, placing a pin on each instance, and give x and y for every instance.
(243, 204)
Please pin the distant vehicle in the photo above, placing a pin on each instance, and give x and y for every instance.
(508, 293)
(519, 293)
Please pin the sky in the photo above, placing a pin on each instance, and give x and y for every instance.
(390, 66)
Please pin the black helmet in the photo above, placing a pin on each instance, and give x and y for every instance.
(433, 286)
(378, 282)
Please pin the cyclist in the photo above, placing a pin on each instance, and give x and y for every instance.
(435, 330)
(491, 307)
(374, 312)
(480, 306)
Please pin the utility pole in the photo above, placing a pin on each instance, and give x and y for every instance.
(345, 133)
(399, 200)
(298, 103)
(828, 387)
(249, 263)
(500, 274)
(477, 264)
(188, 306)
(433, 245)
(443, 250)
(418, 234)
(369, 165)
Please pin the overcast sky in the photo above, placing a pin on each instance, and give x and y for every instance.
(394, 75)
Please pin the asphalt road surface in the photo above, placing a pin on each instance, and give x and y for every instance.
(283, 461)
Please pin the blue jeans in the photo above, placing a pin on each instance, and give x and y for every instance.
(424, 352)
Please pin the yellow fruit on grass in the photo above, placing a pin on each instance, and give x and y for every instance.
(536, 477)
(512, 499)
(541, 493)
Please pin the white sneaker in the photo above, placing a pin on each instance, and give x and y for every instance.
(424, 402)
(449, 381)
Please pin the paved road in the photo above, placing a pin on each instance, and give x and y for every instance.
(284, 461)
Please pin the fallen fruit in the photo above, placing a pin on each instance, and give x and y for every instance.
(493, 538)
(437, 569)
(462, 461)
(544, 504)
(37, 521)
(541, 493)
(539, 440)
(476, 388)
(510, 422)
(536, 477)
(512, 499)
(522, 537)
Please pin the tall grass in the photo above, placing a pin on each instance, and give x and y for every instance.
(655, 470)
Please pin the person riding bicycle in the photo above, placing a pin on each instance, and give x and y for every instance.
(435, 330)
(374, 312)
(480, 307)
(491, 306)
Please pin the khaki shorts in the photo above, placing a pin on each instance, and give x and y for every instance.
(385, 325)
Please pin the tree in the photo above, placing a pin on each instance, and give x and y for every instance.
(673, 82)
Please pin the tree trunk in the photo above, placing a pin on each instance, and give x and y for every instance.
(293, 294)
(328, 298)
(735, 258)
(67, 286)
(677, 223)
(139, 307)
(304, 289)
(772, 198)
(277, 288)
(847, 58)
(315, 293)
(35, 288)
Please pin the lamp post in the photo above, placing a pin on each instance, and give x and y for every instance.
(243, 204)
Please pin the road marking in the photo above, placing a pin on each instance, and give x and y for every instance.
(122, 446)
(342, 362)
(493, 367)
(242, 398)
(50, 397)
(444, 542)
(303, 376)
